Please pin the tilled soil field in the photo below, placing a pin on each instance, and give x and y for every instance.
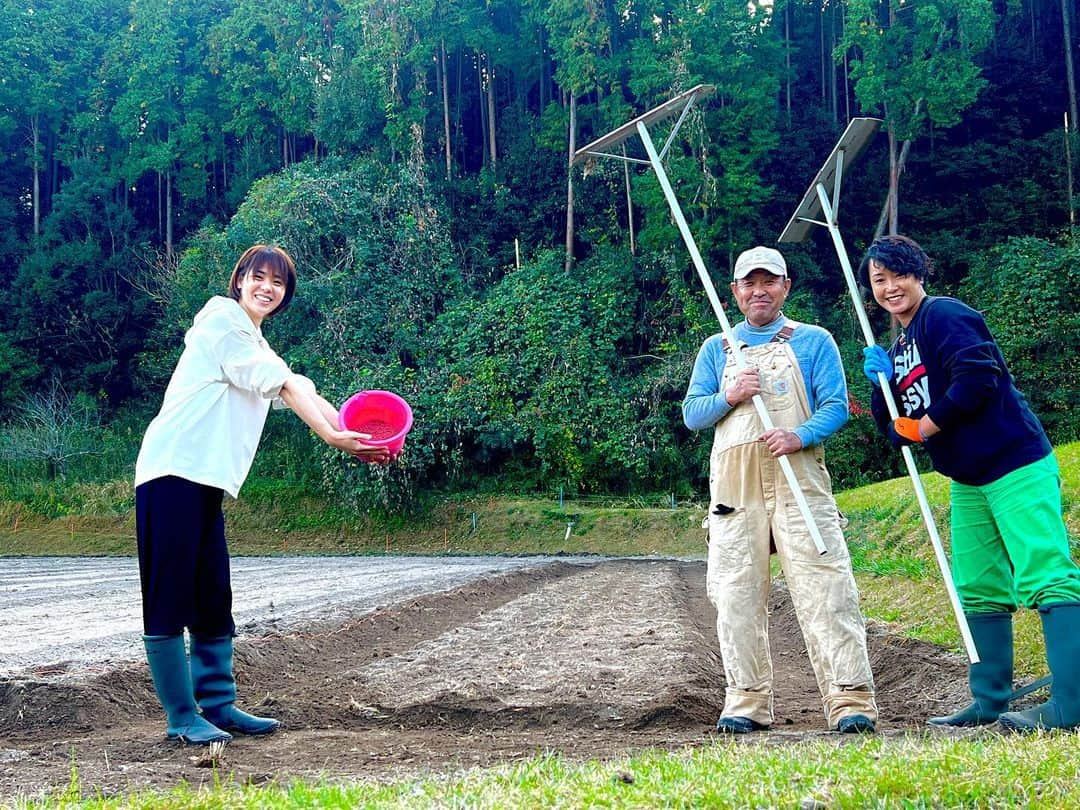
(587, 660)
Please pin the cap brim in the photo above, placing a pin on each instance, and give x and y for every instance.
(739, 274)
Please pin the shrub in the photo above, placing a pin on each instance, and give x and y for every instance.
(1027, 291)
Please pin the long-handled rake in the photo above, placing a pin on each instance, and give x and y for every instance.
(818, 208)
(681, 105)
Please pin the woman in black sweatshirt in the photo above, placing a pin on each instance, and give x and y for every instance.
(1010, 548)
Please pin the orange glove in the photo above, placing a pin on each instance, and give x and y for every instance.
(908, 429)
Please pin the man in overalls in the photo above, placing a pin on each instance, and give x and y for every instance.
(796, 369)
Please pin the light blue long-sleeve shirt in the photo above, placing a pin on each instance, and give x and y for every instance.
(819, 360)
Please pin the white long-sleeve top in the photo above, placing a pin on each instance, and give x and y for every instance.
(215, 406)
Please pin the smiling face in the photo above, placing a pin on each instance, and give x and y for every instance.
(898, 294)
(760, 295)
(261, 292)
(263, 281)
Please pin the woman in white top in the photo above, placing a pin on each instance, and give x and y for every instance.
(199, 447)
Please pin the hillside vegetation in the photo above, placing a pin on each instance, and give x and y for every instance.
(542, 319)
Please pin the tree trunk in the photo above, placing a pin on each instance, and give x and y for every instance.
(787, 61)
(847, 88)
(894, 185)
(35, 133)
(168, 216)
(1033, 39)
(491, 114)
(483, 109)
(821, 53)
(1066, 35)
(445, 105)
(570, 186)
(458, 93)
(1069, 179)
(834, 98)
(629, 201)
(890, 210)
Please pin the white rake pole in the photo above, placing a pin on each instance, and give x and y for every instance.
(890, 402)
(740, 361)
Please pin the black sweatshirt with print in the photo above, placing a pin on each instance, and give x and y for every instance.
(948, 365)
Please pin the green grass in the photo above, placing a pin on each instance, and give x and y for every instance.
(269, 518)
(899, 582)
(910, 771)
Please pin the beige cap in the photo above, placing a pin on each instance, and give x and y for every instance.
(760, 258)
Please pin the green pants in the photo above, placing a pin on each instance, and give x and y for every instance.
(1009, 544)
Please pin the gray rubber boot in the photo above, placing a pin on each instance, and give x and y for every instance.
(991, 678)
(172, 681)
(215, 687)
(1061, 631)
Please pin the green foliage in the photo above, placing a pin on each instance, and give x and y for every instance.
(58, 458)
(179, 289)
(124, 123)
(579, 34)
(349, 115)
(17, 367)
(493, 209)
(269, 55)
(1027, 290)
(70, 316)
(916, 64)
(533, 378)
(716, 167)
(374, 269)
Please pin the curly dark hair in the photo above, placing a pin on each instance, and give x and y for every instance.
(900, 254)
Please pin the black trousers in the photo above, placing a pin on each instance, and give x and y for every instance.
(183, 558)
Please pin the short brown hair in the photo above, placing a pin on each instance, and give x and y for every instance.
(276, 260)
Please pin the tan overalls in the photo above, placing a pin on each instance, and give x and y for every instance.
(745, 479)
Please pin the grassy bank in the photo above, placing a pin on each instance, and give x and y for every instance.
(270, 518)
(898, 575)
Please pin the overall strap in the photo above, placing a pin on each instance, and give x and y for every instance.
(783, 336)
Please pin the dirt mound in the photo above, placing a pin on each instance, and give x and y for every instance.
(588, 660)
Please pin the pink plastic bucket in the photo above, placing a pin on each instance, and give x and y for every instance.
(383, 414)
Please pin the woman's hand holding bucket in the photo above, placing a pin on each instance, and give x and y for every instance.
(359, 446)
(379, 420)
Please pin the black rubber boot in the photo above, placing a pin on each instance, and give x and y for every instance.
(1061, 631)
(215, 687)
(172, 681)
(856, 724)
(991, 678)
(733, 724)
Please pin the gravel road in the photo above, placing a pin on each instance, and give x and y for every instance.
(60, 615)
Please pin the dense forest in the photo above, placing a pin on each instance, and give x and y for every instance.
(413, 156)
